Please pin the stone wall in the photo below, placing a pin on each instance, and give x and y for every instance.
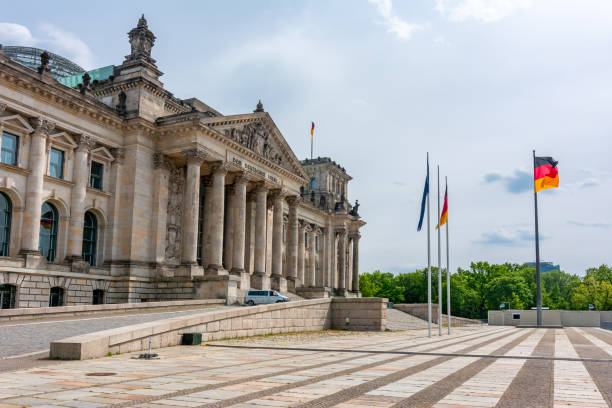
(306, 315)
(566, 318)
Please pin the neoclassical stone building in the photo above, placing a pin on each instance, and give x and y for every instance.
(114, 190)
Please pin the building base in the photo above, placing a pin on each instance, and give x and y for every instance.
(293, 284)
(217, 287)
(314, 292)
(278, 283)
(341, 292)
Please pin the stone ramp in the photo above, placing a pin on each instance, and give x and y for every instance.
(398, 320)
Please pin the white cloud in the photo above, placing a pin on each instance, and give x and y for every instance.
(395, 24)
(486, 11)
(52, 38)
(15, 34)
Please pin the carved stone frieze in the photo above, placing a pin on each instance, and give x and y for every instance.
(174, 233)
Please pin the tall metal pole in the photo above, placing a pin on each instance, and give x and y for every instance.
(448, 272)
(439, 263)
(537, 245)
(311, 146)
(428, 258)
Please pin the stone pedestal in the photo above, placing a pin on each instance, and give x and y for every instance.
(260, 280)
(314, 292)
(341, 292)
(33, 259)
(217, 287)
(189, 270)
(279, 283)
(293, 284)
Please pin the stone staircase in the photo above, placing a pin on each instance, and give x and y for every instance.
(398, 320)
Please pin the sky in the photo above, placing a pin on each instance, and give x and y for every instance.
(479, 84)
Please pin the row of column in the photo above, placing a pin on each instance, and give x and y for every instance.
(231, 238)
(39, 149)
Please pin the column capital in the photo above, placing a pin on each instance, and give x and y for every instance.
(294, 200)
(355, 236)
(220, 167)
(85, 142)
(278, 194)
(161, 161)
(119, 155)
(316, 230)
(261, 187)
(302, 225)
(341, 231)
(194, 155)
(41, 126)
(2, 107)
(241, 179)
(251, 196)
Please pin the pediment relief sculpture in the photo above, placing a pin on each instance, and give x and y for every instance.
(254, 136)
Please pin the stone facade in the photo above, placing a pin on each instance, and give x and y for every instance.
(158, 198)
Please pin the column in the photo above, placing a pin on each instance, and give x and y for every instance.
(34, 186)
(342, 262)
(313, 259)
(217, 207)
(249, 245)
(239, 224)
(205, 250)
(191, 199)
(228, 228)
(261, 213)
(278, 281)
(292, 244)
(356, 262)
(80, 175)
(301, 252)
(329, 268)
(111, 246)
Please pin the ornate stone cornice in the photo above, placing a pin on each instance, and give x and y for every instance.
(194, 155)
(41, 126)
(161, 161)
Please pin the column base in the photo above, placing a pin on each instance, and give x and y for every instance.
(314, 292)
(278, 283)
(341, 292)
(293, 284)
(216, 287)
(77, 264)
(259, 280)
(215, 270)
(189, 270)
(356, 293)
(33, 259)
(245, 279)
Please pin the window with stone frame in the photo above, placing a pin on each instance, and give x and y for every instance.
(10, 148)
(96, 175)
(56, 296)
(98, 297)
(8, 295)
(56, 163)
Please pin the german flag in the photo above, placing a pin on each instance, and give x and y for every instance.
(545, 173)
(444, 216)
(312, 131)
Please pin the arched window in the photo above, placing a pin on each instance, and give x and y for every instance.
(90, 238)
(98, 297)
(7, 296)
(6, 210)
(56, 296)
(47, 243)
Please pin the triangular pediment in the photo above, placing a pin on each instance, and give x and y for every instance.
(103, 152)
(259, 133)
(17, 121)
(63, 138)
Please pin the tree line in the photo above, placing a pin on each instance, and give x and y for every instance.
(485, 286)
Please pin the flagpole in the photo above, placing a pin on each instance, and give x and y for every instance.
(448, 280)
(428, 261)
(439, 263)
(537, 247)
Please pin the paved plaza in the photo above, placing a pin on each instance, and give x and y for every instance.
(480, 367)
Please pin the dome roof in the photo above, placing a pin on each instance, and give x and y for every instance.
(30, 57)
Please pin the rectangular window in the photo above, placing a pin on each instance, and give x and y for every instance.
(306, 240)
(56, 164)
(10, 146)
(316, 242)
(95, 179)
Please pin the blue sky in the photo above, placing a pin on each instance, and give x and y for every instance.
(477, 83)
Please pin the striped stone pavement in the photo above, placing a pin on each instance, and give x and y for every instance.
(475, 367)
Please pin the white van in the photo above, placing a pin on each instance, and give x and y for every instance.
(261, 297)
